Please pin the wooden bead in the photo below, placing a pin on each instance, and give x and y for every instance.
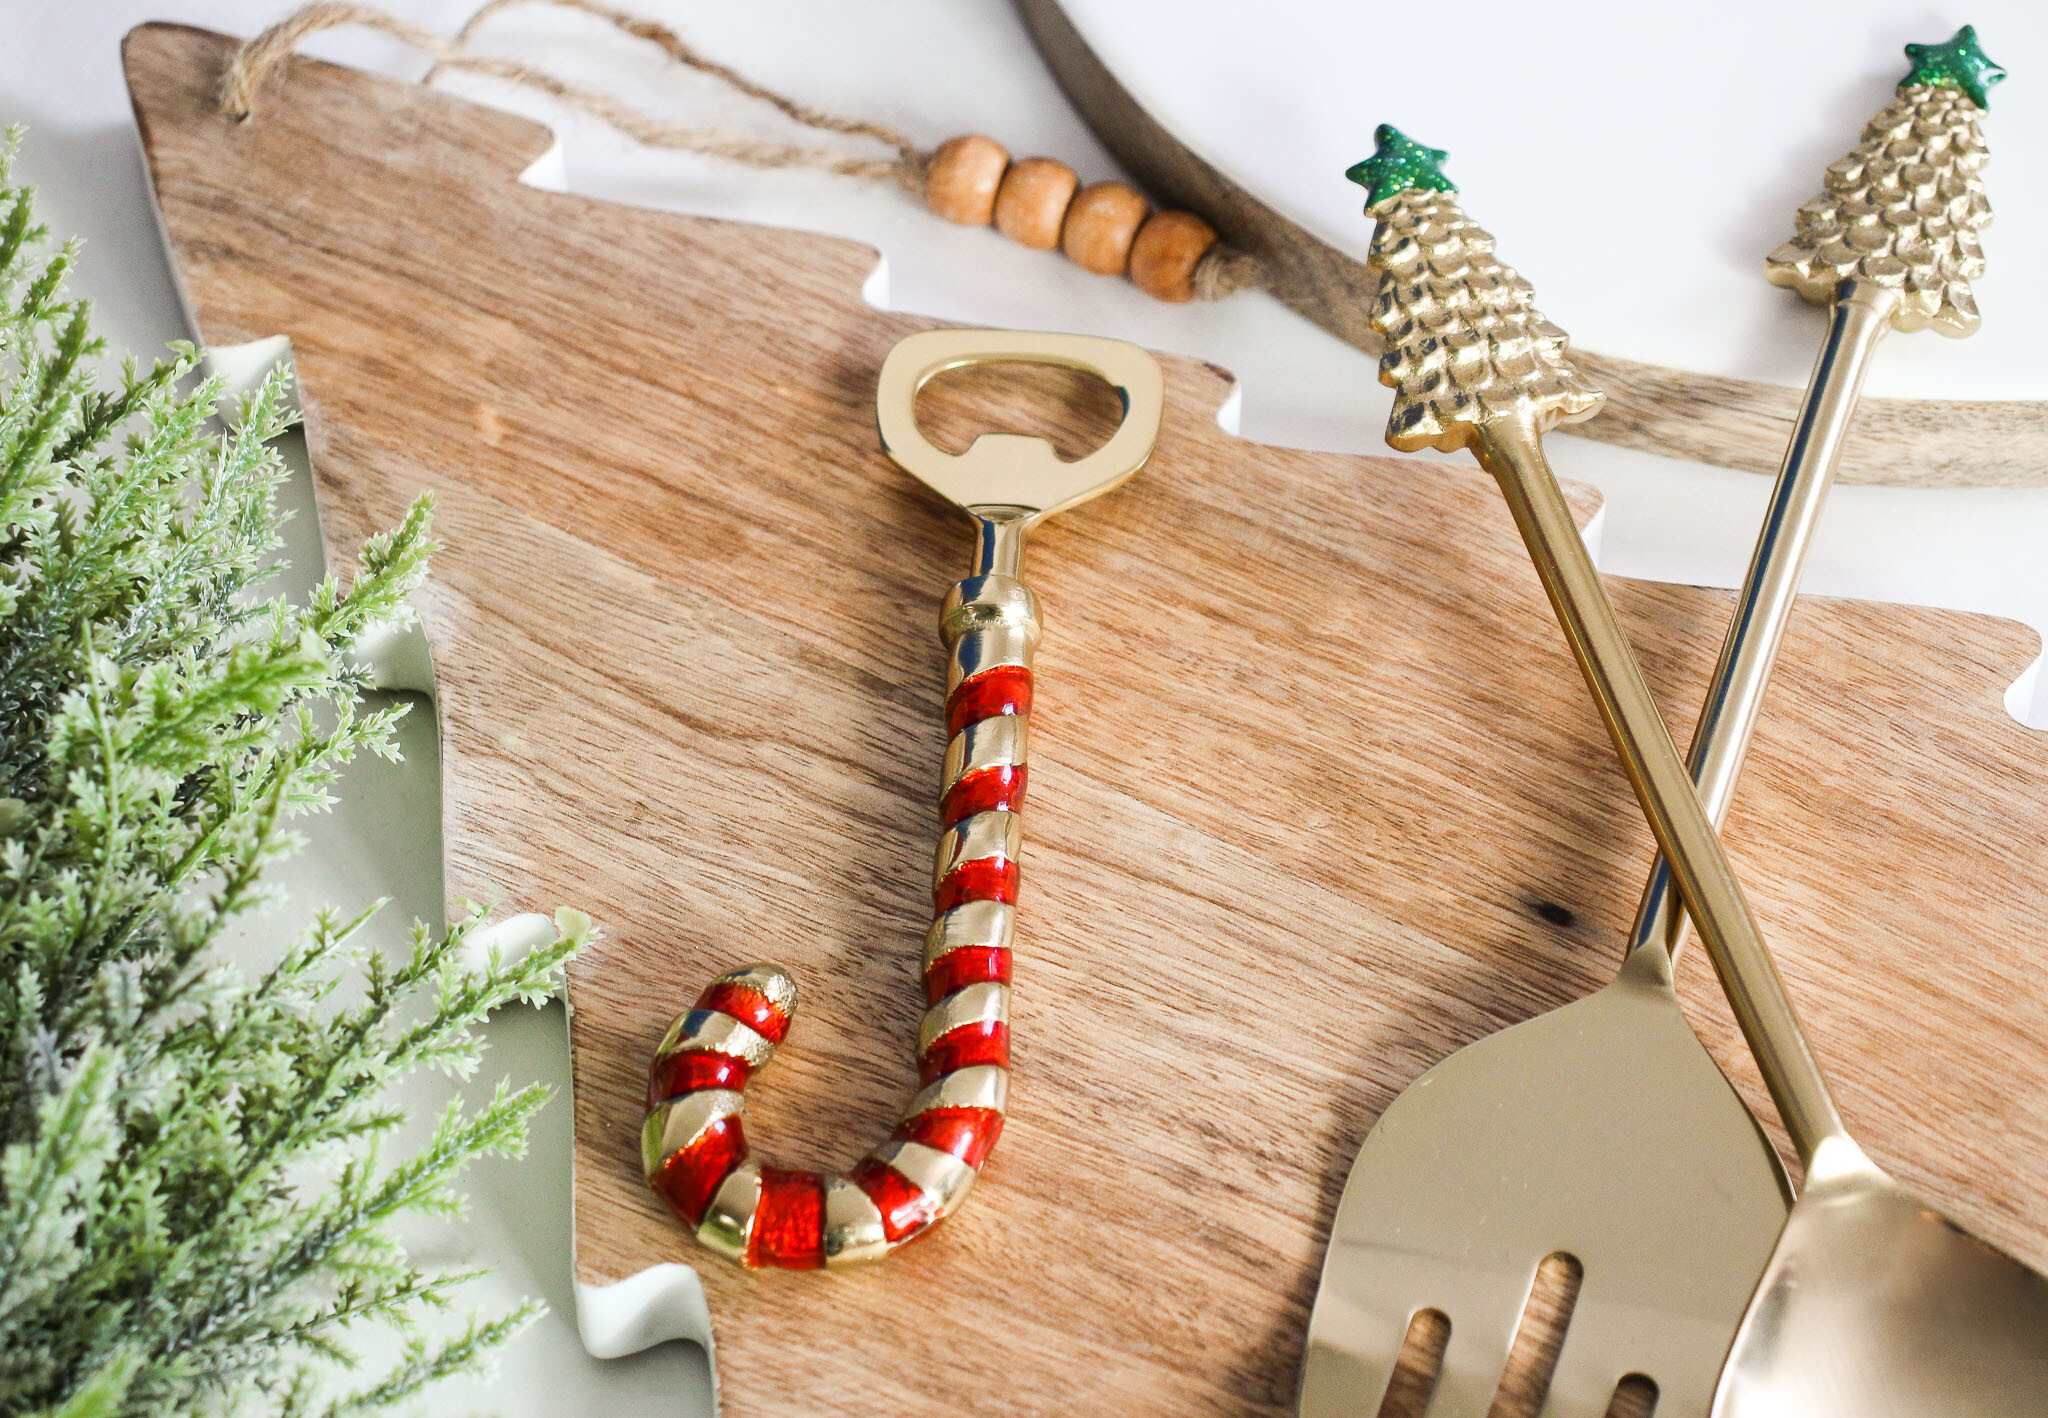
(1164, 255)
(1101, 224)
(1031, 205)
(960, 184)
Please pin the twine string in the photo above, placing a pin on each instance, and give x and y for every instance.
(255, 61)
(1220, 271)
(690, 57)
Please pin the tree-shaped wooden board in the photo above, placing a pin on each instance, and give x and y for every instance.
(1317, 796)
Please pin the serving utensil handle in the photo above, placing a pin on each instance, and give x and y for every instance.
(1861, 314)
(1512, 452)
(1473, 364)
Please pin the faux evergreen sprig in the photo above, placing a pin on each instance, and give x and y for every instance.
(194, 1214)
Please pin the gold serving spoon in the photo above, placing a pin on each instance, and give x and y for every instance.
(1874, 1303)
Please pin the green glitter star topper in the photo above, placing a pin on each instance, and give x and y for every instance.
(1959, 64)
(1399, 164)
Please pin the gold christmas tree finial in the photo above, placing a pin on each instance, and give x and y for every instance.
(1466, 346)
(1903, 208)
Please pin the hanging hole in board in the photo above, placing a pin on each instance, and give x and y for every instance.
(1525, 1381)
(1416, 1369)
(1634, 1397)
(1074, 410)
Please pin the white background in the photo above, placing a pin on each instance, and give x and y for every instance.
(1636, 161)
(940, 67)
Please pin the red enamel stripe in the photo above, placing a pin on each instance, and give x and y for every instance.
(967, 1133)
(998, 786)
(691, 1176)
(983, 1042)
(905, 1208)
(983, 879)
(998, 690)
(686, 1072)
(789, 1224)
(749, 1006)
(967, 965)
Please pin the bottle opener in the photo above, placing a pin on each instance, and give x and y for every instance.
(692, 1144)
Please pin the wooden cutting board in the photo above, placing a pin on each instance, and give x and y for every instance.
(1316, 795)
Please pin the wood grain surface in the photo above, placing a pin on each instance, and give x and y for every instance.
(1316, 793)
(1731, 423)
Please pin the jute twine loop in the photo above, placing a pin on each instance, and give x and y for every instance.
(1221, 270)
(255, 60)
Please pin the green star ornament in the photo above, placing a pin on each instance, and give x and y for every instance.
(1959, 64)
(1399, 164)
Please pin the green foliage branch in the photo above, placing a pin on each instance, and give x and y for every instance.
(195, 1213)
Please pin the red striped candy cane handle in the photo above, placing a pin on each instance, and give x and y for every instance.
(693, 1145)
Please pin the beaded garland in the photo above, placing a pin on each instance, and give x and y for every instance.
(1106, 227)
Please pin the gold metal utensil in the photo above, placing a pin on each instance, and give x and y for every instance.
(1875, 1304)
(695, 1150)
(1871, 1303)
(1891, 244)
(1603, 1130)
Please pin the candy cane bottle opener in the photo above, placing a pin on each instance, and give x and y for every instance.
(692, 1145)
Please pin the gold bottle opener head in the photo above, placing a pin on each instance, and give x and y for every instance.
(1013, 471)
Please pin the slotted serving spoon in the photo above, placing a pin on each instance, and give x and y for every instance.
(1602, 1130)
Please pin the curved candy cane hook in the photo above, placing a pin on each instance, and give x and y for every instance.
(693, 1146)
